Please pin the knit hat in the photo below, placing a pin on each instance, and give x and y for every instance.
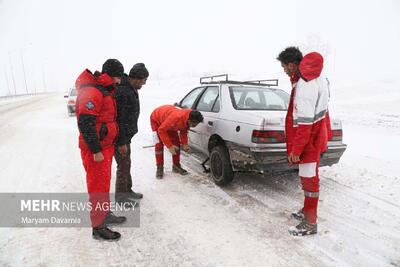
(139, 72)
(113, 68)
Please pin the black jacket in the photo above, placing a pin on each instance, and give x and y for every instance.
(128, 109)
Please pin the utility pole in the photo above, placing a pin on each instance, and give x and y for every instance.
(12, 73)
(34, 84)
(8, 84)
(23, 69)
(44, 79)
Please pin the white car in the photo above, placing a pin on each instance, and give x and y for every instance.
(72, 94)
(244, 127)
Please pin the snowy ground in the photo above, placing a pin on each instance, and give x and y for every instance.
(189, 220)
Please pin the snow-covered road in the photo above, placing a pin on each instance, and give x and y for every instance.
(189, 220)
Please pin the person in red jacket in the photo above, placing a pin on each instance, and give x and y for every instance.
(166, 121)
(307, 125)
(96, 116)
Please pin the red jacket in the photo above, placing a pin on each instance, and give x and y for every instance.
(307, 119)
(170, 118)
(95, 106)
(289, 129)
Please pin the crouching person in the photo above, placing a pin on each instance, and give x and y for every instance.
(95, 112)
(166, 121)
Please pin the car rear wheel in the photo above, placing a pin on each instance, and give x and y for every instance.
(220, 165)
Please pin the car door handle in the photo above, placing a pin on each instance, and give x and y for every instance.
(210, 123)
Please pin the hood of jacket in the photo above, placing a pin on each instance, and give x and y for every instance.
(311, 66)
(87, 78)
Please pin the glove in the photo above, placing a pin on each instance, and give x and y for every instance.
(187, 148)
(173, 150)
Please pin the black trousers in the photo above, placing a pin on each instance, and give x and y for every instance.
(123, 183)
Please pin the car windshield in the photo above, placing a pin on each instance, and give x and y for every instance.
(258, 98)
(73, 92)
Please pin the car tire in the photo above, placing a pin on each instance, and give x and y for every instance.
(220, 166)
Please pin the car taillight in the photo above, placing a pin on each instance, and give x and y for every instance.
(268, 136)
(71, 101)
(337, 135)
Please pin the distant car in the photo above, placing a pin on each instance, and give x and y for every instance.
(244, 127)
(72, 94)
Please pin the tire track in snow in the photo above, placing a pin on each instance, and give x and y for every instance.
(337, 223)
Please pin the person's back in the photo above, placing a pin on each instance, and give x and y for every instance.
(161, 113)
(128, 107)
(310, 109)
(95, 99)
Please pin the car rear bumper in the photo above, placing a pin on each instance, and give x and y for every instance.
(262, 159)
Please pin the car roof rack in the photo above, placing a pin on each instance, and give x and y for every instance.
(224, 79)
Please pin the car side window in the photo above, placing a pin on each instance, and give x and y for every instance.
(208, 99)
(190, 98)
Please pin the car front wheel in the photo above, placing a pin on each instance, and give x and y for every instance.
(220, 165)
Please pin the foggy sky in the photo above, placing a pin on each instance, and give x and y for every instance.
(56, 40)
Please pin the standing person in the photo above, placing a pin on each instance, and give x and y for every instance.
(166, 121)
(128, 109)
(96, 115)
(307, 125)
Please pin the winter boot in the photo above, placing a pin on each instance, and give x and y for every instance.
(112, 219)
(178, 169)
(298, 215)
(134, 195)
(304, 228)
(160, 172)
(127, 202)
(104, 233)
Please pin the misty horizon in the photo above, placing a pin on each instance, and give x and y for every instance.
(53, 41)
